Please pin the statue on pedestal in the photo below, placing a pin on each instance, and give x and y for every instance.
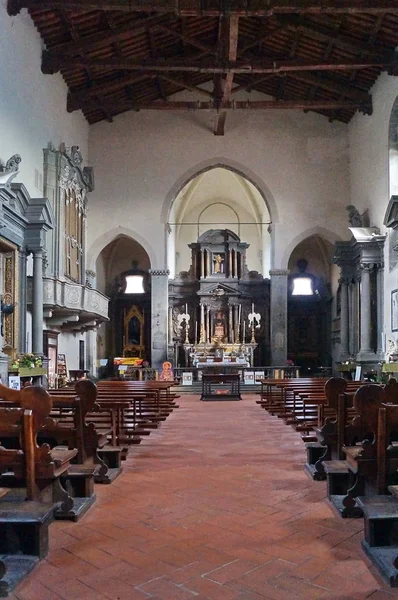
(218, 264)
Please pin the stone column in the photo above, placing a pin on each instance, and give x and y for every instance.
(365, 352)
(202, 263)
(170, 340)
(91, 351)
(159, 313)
(22, 302)
(344, 320)
(380, 310)
(278, 326)
(37, 302)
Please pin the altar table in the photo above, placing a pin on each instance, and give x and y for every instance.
(223, 386)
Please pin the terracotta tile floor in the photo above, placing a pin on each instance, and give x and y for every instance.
(216, 505)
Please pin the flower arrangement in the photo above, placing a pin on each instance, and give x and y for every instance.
(28, 361)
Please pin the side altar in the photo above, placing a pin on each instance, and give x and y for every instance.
(219, 310)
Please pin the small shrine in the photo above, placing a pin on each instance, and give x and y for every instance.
(219, 309)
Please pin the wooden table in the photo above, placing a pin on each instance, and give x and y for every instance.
(223, 386)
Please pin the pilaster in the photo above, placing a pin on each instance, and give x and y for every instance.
(159, 315)
(278, 337)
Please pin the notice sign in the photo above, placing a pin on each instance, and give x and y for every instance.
(258, 375)
(249, 378)
(187, 379)
(14, 382)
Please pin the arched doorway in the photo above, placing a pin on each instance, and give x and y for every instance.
(310, 304)
(122, 269)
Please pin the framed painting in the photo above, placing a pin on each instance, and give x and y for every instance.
(394, 310)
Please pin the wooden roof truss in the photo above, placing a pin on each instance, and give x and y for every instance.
(120, 55)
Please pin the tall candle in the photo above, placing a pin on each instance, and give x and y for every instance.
(252, 307)
(239, 314)
(244, 331)
(186, 308)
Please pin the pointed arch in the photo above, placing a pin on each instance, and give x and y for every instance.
(324, 233)
(223, 163)
(103, 240)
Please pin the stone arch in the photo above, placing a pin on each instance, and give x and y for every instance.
(223, 163)
(324, 233)
(103, 240)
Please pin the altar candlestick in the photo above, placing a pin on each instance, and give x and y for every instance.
(239, 314)
(244, 331)
(252, 307)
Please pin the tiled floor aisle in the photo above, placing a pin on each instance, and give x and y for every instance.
(213, 505)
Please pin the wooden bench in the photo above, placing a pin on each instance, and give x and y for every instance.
(64, 430)
(332, 417)
(360, 451)
(381, 511)
(30, 487)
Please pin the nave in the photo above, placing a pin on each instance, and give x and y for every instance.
(215, 504)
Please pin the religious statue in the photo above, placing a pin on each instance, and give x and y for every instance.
(166, 373)
(218, 263)
(134, 332)
(219, 328)
(355, 219)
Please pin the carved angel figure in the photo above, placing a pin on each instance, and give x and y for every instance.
(354, 218)
(254, 319)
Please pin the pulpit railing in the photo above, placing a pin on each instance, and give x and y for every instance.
(249, 375)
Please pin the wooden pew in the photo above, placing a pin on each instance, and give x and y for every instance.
(66, 430)
(134, 409)
(381, 511)
(360, 449)
(332, 417)
(118, 420)
(32, 474)
(83, 423)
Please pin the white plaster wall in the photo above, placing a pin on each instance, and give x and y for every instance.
(369, 173)
(32, 105)
(142, 161)
(32, 115)
(68, 344)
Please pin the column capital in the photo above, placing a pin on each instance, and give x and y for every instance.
(35, 250)
(159, 272)
(345, 280)
(366, 267)
(279, 272)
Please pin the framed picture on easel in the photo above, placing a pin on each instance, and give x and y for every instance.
(394, 310)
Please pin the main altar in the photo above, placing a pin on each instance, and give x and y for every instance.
(219, 310)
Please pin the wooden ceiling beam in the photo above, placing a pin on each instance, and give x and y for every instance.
(232, 35)
(53, 64)
(244, 8)
(102, 38)
(189, 40)
(322, 33)
(256, 105)
(75, 99)
(332, 86)
(185, 85)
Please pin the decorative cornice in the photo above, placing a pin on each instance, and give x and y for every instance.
(279, 272)
(159, 272)
(391, 216)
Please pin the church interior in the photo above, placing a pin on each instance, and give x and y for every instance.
(198, 299)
